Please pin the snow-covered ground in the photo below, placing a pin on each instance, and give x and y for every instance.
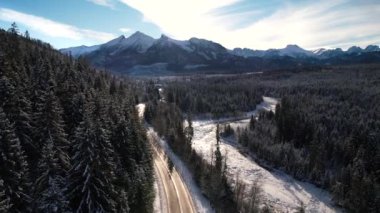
(158, 204)
(141, 110)
(268, 104)
(280, 190)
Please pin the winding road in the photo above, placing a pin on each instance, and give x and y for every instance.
(172, 191)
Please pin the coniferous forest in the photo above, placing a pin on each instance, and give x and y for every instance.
(71, 139)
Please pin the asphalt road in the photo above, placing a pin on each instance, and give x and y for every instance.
(175, 197)
(173, 193)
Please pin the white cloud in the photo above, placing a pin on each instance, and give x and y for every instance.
(125, 30)
(323, 23)
(52, 28)
(316, 25)
(106, 3)
(180, 18)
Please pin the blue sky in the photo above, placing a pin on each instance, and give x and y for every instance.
(256, 24)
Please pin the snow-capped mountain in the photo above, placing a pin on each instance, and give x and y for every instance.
(246, 52)
(167, 42)
(295, 51)
(202, 48)
(81, 50)
(117, 42)
(331, 53)
(208, 49)
(291, 50)
(130, 54)
(319, 51)
(354, 49)
(372, 48)
(137, 41)
(140, 50)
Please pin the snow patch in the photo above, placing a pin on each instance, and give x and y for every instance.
(148, 69)
(141, 109)
(77, 51)
(166, 41)
(158, 204)
(138, 41)
(194, 66)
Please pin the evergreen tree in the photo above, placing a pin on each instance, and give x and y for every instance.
(301, 208)
(27, 36)
(113, 88)
(170, 164)
(14, 167)
(217, 189)
(14, 28)
(189, 133)
(218, 154)
(122, 201)
(125, 150)
(49, 127)
(252, 122)
(50, 186)
(137, 152)
(5, 204)
(92, 174)
(20, 112)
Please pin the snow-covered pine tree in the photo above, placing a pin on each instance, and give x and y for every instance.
(124, 148)
(218, 154)
(129, 141)
(50, 186)
(122, 201)
(49, 127)
(143, 194)
(5, 203)
(14, 167)
(20, 112)
(125, 151)
(18, 107)
(113, 89)
(14, 28)
(121, 187)
(91, 178)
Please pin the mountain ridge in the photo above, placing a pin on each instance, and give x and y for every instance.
(123, 54)
(288, 50)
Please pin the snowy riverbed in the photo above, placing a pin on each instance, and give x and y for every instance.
(280, 191)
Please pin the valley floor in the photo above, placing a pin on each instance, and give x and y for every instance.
(280, 191)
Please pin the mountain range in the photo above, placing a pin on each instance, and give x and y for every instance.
(140, 54)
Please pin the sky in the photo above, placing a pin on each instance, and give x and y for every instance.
(255, 24)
